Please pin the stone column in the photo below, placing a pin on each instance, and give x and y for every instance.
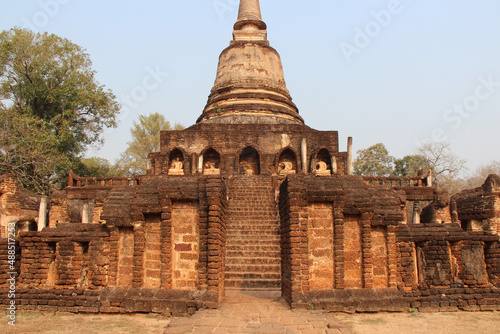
(349, 170)
(42, 214)
(429, 179)
(334, 165)
(85, 214)
(149, 164)
(193, 163)
(304, 155)
(416, 215)
(200, 164)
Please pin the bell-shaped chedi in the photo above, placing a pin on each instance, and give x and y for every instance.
(250, 86)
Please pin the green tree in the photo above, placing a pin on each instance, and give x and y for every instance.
(28, 149)
(97, 167)
(411, 165)
(49, 81)
(145, 140)
(373, 161)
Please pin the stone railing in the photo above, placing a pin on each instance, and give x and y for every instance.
(394, 181)
(78, 181)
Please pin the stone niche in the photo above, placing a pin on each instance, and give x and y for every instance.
(211, 162)
(249, 163)
(287, 162)
(176, 163)
(323, 165)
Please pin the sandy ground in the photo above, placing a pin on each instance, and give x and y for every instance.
(381, 323)
(424, 323)
(88, 324)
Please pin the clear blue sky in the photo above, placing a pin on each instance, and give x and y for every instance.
(427, 67)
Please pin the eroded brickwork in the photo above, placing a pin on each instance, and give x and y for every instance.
(17, 205)
(382, 262)
(320, 234)
(345, 245)
(185, 252)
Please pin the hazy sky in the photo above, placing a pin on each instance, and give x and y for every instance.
(396, 72)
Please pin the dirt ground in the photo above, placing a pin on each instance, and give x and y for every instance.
(88, 324)
(380, 323)
(423, 323)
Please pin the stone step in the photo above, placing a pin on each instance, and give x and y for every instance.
(252, 220)
(264, 247)
(253, 283)
(253, 268)
(238, 225)
(257, 233)
(237, 275)
(258, 204)
(254, 253)
(251, 261)
(251, 208)
(253, 196)
(246, 216)
(255, 221)
(248, 232)
(261, 240)
(252, 216)
(252, 213)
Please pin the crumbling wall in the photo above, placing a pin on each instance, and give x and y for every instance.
(161, 249)
(230, 140)
(338, 243)
(362, 255)
(321, 255)
(479, 208)
(16, 204)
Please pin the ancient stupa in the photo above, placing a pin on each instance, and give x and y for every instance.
(250, 197)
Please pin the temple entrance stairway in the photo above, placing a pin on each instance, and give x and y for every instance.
(253, 259)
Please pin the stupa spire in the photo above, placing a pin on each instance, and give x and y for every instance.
(249, 87)
(249, 26)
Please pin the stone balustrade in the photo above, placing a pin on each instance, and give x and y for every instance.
(78, 181)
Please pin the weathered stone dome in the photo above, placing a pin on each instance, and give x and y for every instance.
(250, 85)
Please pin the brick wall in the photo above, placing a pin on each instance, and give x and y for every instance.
(492, 259)
(16, 204)
(229, 140)
(320, 235)
(176, 243)
(379, 262)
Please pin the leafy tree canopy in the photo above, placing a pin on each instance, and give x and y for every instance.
(28, 149)
(145, 139)
(96, 167)
(47, 86)
(411, 165)
(373, 161)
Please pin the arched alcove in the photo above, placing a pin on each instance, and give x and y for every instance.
(323, 163)
(249, 162)
(176, 162)
(211, 162)
(287, 162)
(24, 226)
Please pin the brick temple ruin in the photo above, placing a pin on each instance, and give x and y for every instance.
(252, 198)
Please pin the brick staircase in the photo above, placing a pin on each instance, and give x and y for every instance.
(253, 259)
(117, 202)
